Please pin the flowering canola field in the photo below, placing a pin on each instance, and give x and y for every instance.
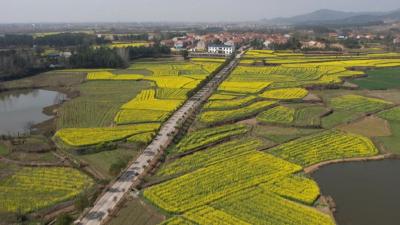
(246, 181)
(325, 146)
(144, 113)
(30, 189)
(79, 137)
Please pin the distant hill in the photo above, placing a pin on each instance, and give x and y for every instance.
(326, 16)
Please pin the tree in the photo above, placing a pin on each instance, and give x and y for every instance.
(217, 42)
(156, 50)
(82, 201)
(69, 39)
(185, 54)
(292, 44)
(16, 40)
(96, 58)
(257, 44)
(351, 43)
(118, 166)
(64, 219)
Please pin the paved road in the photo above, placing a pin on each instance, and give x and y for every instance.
(109, 200)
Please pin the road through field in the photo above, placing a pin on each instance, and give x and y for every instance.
(105, 204)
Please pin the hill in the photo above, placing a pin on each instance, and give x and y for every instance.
(327, 16)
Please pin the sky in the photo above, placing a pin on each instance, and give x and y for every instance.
(35, 11)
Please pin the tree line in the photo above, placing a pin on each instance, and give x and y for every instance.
(88, 57)
(142, 52)
(54, 40)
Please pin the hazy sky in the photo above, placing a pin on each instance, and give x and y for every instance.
(173, 10)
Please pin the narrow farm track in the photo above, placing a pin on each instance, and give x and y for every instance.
(108, 202)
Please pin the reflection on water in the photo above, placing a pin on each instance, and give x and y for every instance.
(366, 193)
(19, 110)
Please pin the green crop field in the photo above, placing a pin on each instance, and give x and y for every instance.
(309, 116)
(135, 212)
(280, 134)
(3, 150)
(98, 103)
(357, 103)
(391, 114)
(380, 79)
(347, 108)
(391, 143)
(102, 161)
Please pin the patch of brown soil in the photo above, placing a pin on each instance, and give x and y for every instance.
(326, 205)
(370, 126)
(312, 98)
(388, 95)
(252, 122)
(276, 130)
(313, 168)
(349, 85)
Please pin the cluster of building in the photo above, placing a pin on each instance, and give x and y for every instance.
(355, 35)
(396, 41)
(220, 43)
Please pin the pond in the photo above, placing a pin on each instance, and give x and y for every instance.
(19, 110)
(366, 193)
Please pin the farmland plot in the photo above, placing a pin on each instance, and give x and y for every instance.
(210, 117)
(229, 104)
(213, 182)
(277, 115)
(31, 189)
(202, 138)
(79, 137)
(325, 146)
(257, 206)
(357, 103)
(210, 156)
(285, 94)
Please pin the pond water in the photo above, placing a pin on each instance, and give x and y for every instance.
(19, 110)
(366, 193)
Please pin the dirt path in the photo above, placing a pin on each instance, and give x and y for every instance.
(315, 167)
(31, 164)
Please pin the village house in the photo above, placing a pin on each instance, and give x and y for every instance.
(201, 46)
(179, 44)
(221, 49)
(267, 43)
(230, 43)
(168, 43)
(312, 44)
